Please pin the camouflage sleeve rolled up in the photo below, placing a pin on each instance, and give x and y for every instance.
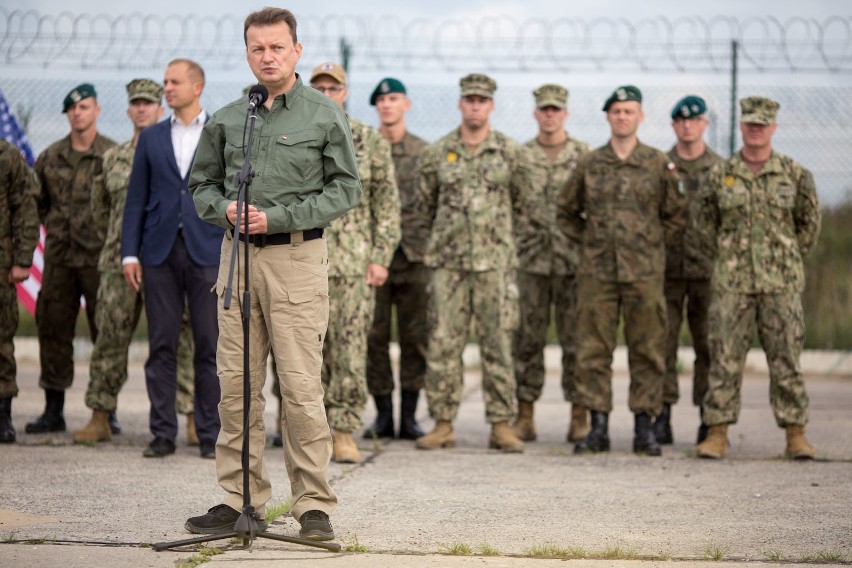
(807, 216)
(18, 211)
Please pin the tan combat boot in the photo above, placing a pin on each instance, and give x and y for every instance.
(97, 430)
(798, 447)
(344, 450)
(441, 436)
(579, 427)
(503, 438)
(524, 426)
(191, 434)
(715, 446)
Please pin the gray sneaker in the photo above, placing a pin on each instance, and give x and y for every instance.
(316, 526)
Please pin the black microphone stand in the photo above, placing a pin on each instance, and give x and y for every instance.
(246, 528)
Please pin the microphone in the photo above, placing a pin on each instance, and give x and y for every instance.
(257, 96)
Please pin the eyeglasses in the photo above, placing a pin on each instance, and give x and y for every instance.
(330, 90)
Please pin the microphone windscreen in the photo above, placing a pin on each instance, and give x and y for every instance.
(259, 91)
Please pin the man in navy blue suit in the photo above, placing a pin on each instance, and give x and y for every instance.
(162, 233)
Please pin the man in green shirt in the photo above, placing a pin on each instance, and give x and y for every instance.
(307, 176)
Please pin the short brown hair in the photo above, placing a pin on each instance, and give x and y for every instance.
(269, 16)
(194, 69)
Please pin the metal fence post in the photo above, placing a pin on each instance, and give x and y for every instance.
(733, 137)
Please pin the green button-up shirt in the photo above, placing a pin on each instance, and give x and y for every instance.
(304, 162)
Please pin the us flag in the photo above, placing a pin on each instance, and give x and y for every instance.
(10, 130)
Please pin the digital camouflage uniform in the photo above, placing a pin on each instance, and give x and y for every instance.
(688, 269)
(119, 305)
(18, 239)
(474, 204)
(367, 234)
(760, 226)
(547, 277)
(71, 251)
(406, 287)
(617, 211)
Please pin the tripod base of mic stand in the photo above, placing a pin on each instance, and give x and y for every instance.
(330, 546)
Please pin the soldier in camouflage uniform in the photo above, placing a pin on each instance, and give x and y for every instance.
(476, 192)
(361, 245)
(119, 305)
(66, 172)
(619, 205)
(546, 275)
(760, 216)
(18, 239)
(687, 267)
(407, 282)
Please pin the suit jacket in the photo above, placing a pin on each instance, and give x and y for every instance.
(158, 202)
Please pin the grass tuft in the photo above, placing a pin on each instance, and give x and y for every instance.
(354, 546)
(277, 509)
(773, 556)
(830, 556)
(617, 553)
(458, 549)
(713, 552)
(488, 550)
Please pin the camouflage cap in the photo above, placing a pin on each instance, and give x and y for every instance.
(77, 94)
(478, 84)
(758, 110)
(551, 95)
(387, 86)
(689, 106)
(333, 70)
(145, 89)
(622, 94)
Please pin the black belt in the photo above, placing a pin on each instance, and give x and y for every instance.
(279, 238)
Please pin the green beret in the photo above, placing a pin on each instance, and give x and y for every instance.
(624, 93)
(758, 110)
(478, 84)
(551, 95)
(77, 94)
(145, 89)
(387, 86)
(689, 106)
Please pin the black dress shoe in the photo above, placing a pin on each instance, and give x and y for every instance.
(218, 520)
(208, 451)
(158, 448)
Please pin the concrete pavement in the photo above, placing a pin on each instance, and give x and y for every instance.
(66, 505)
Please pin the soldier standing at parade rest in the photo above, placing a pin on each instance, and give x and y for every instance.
(547, 273)
(119, 305)
(309, 177)
(476, 190)
(760, 216)
(688, 267)
(18, 239)
(619, 205)
(361, 245)
(66, 172)
(407, 281)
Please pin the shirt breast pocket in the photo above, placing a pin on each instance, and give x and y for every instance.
(298, 155)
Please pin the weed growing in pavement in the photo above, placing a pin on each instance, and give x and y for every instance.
(547, 550)
(204, 554)
(10, 538)
(354, 546)
(773, 556)
(617, 553)
(277, 509)
(458, 549)
(830, 556)
(488, 550)
(713, 552)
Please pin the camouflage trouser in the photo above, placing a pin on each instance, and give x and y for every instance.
(8, 327)
(645, 331)
(780, 325)
(117, 314)
(56, 316)
(537, 294)
(344, 354)
(454, 299)
(698, 294)
(406, 287)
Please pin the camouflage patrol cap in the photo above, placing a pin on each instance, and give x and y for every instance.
(387, 86)
(77, 94)
(333, 70)
(145, 89)
(758, 110)
(478, 84)
(551, 95)
(689, 107)
(622, 94)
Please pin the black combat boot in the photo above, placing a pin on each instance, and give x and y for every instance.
(409, 429)
(597, 439)
(702, 428)
(52, 419)
(383, 426)
(663, 425)
(114, 424)
(644, 441)
(7, 429)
